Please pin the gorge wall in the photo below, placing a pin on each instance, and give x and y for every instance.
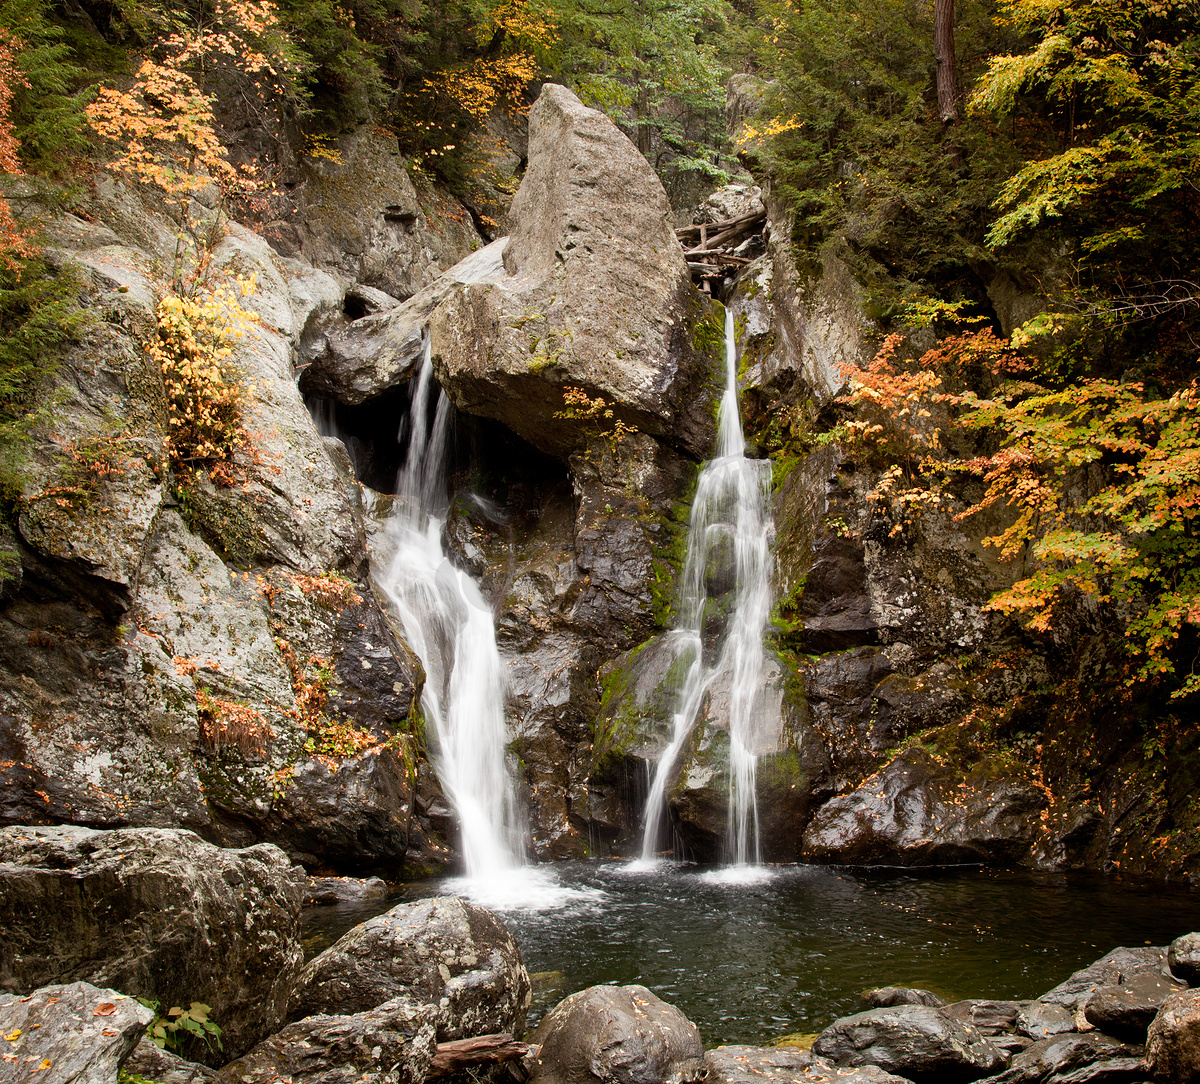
(214, 656)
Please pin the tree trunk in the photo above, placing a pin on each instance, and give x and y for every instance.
(943, 47)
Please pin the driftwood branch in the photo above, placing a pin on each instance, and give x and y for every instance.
(478, 1050)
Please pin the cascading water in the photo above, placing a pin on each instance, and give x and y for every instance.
(449, 624)
(728, 545)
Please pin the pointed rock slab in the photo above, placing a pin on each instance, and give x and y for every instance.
(1112, 969)
(391, 1044)
(71, 1034)
(442, 951)
(915, 1041)
(597, 296)
(1050, 1061)
(617, 1035)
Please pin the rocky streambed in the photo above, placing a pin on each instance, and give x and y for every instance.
(101, 928)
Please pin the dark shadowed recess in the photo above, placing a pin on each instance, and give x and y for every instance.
(486, 458)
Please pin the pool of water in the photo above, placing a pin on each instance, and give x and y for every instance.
(752, 959)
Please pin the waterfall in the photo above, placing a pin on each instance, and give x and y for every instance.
(727, 570)
(450, 626)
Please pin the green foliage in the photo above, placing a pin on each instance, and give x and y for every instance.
(1116, 85)
(170, 1030)
(652, 64)
(39, 312)
(48, 102)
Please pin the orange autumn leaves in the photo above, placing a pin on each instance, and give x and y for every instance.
(162, 127)
(1097, 483)
(14, 241)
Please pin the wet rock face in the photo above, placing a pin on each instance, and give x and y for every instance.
(393, 1043)
(68, 1033)
(619, 1034)
(917, 812)
(597, 296)
(443, 952)
(916, 1041)
(635, 727)
(154, 913)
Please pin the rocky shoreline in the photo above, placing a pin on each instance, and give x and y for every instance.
(102, 928)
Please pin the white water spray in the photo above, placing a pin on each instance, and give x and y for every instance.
(449, 624)
(727, 569)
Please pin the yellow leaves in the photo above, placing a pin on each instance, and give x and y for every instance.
(204, 397)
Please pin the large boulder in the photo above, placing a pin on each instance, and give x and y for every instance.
(68, 1034)
(1183, 958)
(441, 951)
(619, 1034)
(1112, 969)
(154, 913)
(391, 1044)
(915, 1041)
(917, 811)
(1173, 1040)
(1125, 1010)
(597, 297)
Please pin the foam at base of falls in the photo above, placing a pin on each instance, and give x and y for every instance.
(522, 888)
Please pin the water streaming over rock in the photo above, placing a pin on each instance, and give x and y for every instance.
(724, 603)
(450, 626)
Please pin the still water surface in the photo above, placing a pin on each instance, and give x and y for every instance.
(752, 961)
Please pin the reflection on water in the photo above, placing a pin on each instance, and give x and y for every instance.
(751, 960)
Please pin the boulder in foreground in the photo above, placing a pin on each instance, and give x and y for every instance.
(69, 1034)
(1173, 1041)
(156, 913)
(620, 1034)
(915, 1041)
(441, 951)
(391, 1044)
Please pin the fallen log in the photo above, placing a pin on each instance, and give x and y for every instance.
(720, 254)
(713, 229)
(478, 1050)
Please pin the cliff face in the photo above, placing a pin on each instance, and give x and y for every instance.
(213, 656)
